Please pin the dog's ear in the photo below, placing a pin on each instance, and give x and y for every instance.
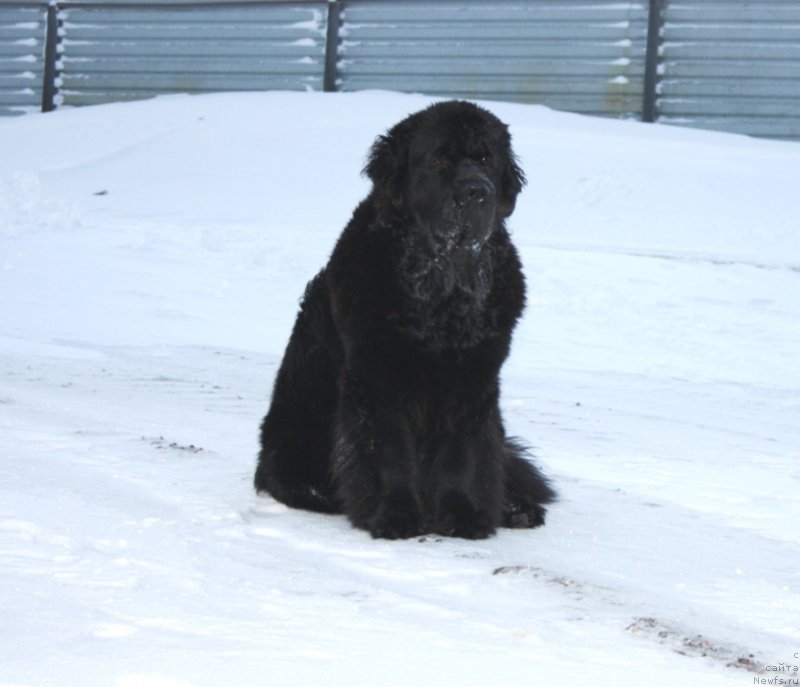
(512, 179)
(386, 165)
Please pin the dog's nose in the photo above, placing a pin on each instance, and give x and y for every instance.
(472, 190)
(477, 192)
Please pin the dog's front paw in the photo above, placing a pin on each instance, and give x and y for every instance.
(460, 518)
(399, 517)
(524, 515)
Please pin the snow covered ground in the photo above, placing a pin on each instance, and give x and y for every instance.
(151, 259)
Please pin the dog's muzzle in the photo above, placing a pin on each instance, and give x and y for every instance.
(474, 205)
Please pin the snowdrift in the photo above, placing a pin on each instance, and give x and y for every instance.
(151, 258)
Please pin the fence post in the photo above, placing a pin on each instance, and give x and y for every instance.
(50, 59)
(655, 21)
(332, 46)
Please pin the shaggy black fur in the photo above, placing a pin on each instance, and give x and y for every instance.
(385, 407)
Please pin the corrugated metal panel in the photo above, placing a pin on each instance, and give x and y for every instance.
(128, 52)
(580, 55)
(22, 37)
(732, 66)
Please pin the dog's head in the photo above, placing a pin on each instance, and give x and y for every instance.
(451, 169)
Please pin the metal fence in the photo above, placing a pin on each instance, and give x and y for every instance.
(123, 52)
(23, 32)
(581, 56)
(732, 65)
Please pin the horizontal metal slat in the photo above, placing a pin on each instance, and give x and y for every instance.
(273, 14)
(495, 69)
(728, 88)
(785, 33)
(540, 86)
(122, 67)
(722, 106)
(732, 12)
(165, 32)
(485, 12)
(19, 62)
(178, 82)
(496, 49)
(18, 81)
(13, 14)
(784, 128)
(20, 98)
(181, 4)
(83, 97)
(735, 70)
(199, 47)
(31, 47)
(717, 50)
(11, 34)
(605, 105)
(533, 32)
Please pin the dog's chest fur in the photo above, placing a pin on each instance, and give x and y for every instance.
(444, 299)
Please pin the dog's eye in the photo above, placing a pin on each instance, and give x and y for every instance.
(485, 159)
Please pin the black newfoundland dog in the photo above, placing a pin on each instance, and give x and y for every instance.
(385, 407)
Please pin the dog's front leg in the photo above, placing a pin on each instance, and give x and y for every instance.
(374, 463)
(467, 479)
